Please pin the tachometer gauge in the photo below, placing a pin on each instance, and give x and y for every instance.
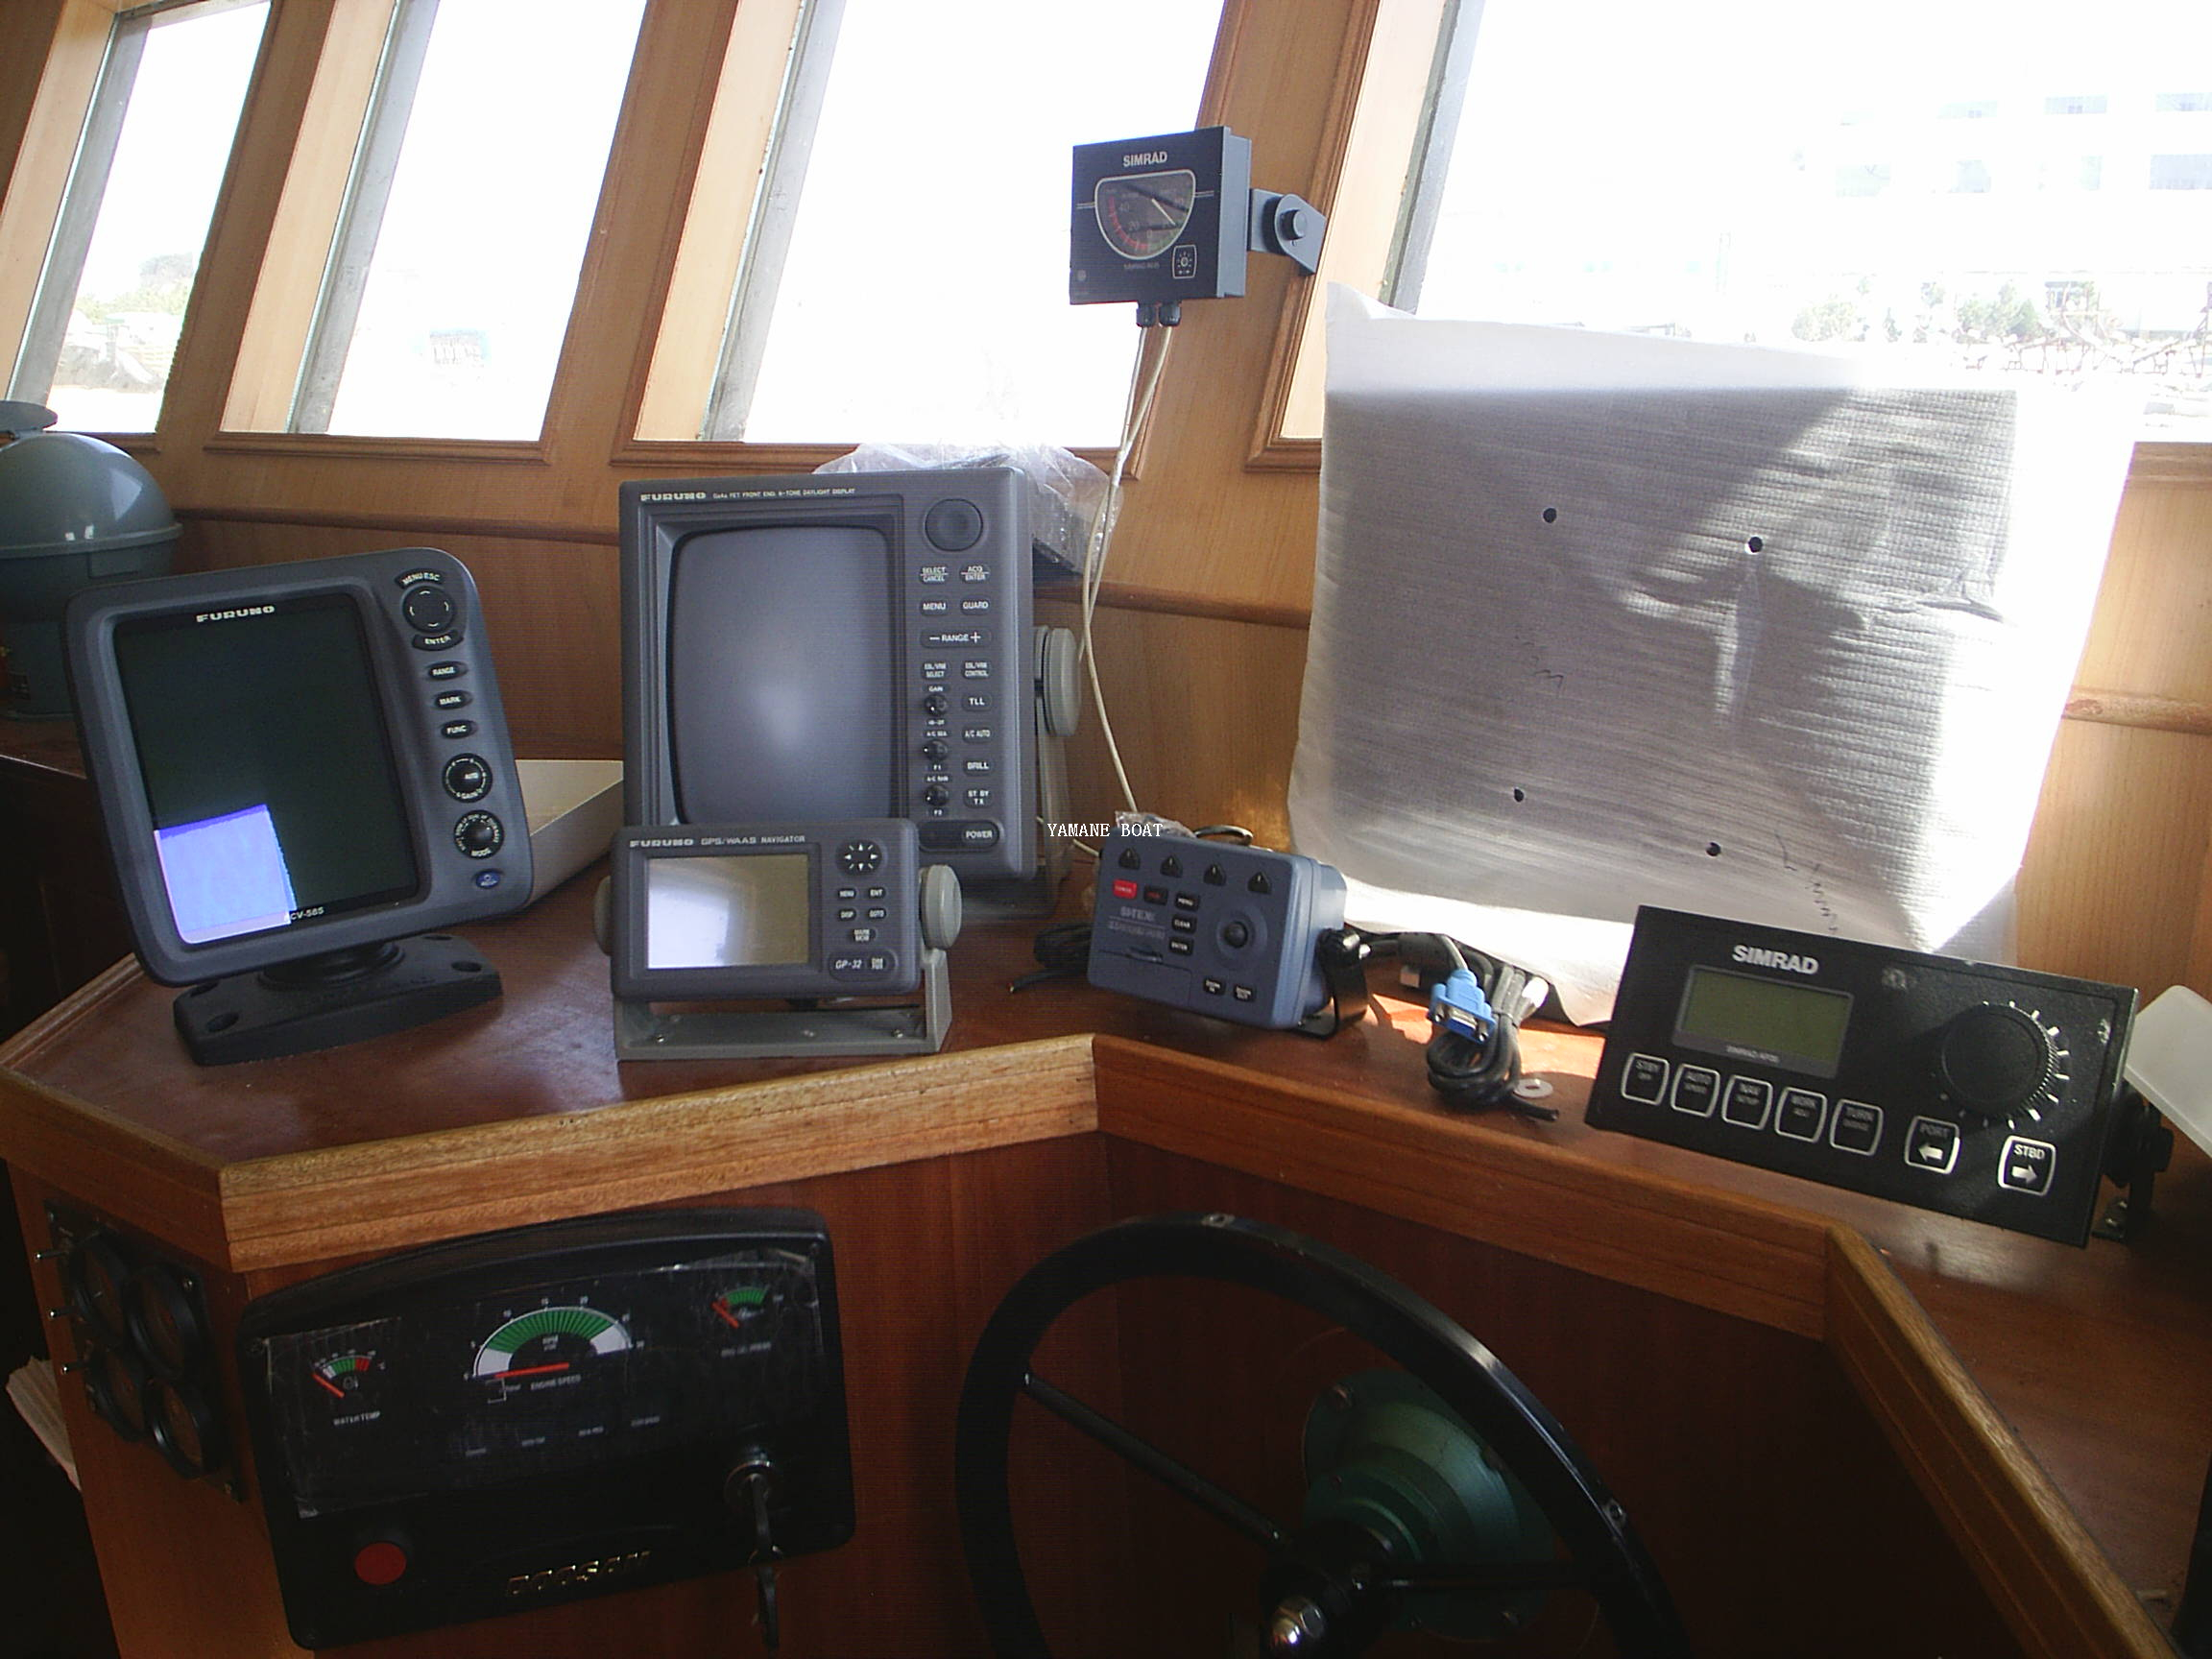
(549, 1342)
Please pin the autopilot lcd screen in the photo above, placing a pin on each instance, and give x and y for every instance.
(268, 770)
(1797, 1027)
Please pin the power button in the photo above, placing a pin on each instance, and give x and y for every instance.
(379, 1563)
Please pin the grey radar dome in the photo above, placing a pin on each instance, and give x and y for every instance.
(74, 511)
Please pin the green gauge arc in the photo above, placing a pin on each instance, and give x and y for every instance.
(603, 1331)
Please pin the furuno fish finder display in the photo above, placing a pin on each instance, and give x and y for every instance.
(545, 1414)
(835, 646)
(1978, 1091)
(305, 774)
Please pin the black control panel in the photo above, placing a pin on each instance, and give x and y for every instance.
(970, 659)
(1214, 927)
(547, 1414)
(1962, 1086)
(459, 703)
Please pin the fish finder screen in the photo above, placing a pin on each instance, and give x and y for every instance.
(267, 771)
(728, 912)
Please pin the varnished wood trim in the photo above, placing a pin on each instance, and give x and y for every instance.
(2140, 710)
(1115, 596)
(430, 528)
(392, 1194)
(2058, 1591)
(1734, 1255)
(136, 1175)
(2172, 462)
(1280, 454)
(342, 446)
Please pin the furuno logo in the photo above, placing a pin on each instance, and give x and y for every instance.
(575, 1573)
(235, 615)
(1758, 956)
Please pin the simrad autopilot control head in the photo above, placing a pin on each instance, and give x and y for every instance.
(1215, 928)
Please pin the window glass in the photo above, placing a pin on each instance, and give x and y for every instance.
(471, 203)
(127, 245)
(1990, 188)
(920, 290)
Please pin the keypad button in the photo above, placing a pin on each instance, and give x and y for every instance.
(1803, 1115)
(1858, 1128)
(1932, 1143)
(1644, 1079)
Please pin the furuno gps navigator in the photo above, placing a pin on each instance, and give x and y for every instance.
(836, 923)
(305, 777)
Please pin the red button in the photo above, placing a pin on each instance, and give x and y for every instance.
(1124, 889)
(380, 1563)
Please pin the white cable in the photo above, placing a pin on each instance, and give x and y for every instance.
(1143, 383)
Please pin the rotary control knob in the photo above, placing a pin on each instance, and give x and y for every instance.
(1996, 1059)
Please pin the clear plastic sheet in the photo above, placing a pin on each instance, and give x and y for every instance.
(1606, 620)
(1065, 492)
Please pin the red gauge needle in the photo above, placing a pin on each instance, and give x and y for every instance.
(336, 1391)
(534, 1370)
(723, 1314)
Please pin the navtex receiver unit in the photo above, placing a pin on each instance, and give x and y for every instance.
(1978, 1091)
(1214, 927)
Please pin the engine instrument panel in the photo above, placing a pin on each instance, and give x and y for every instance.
(547, 1413)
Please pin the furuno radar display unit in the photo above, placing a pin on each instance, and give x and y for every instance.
(537, 1416)
(1214, 927)
(1962, 1087)
(305, 777)
(835, 645)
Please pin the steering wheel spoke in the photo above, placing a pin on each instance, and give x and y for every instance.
(1178, 1477)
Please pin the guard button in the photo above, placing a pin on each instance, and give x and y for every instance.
(380, 1562)
(2028, 1166)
